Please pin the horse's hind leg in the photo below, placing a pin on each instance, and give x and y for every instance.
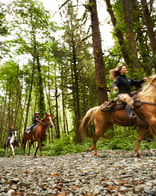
(36, 151)
(93, 147)
(30, 143)
(99, 132)
(140, 138)
(12, 148)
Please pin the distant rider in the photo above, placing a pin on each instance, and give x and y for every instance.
(36, 120)
(10, 132)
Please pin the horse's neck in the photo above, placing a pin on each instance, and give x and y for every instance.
(42, 124)
(148, 93)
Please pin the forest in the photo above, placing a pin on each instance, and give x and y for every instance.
(61, 67)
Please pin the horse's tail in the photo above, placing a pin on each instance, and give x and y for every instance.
(85, 122)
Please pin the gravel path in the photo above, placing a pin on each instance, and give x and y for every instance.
(115, 173)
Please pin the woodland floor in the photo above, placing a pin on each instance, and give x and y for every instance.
(114, 173)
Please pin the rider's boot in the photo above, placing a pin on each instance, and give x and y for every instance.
(131, 114)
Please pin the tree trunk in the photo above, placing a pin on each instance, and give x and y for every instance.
(149, 25)
(57, 126)
(40, 86)
(127, 12)
(98, 56)
(119, 34)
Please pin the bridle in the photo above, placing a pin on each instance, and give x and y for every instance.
(46, 124)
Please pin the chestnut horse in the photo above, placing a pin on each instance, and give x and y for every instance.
(38, 135)
(146, 116)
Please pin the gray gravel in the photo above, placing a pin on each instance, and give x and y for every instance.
(115, 173)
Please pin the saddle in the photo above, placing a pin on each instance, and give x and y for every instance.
(113, 105)
(28, 130)
(117, 104)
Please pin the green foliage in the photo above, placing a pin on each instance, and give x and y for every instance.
(64, 145)
(123, 139)
(2, 152)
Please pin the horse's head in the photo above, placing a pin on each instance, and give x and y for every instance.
(14, 134)
(48, 120)
(149, 87)
(151, 80)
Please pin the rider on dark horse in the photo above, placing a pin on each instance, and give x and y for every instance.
(10, 132)
(36, 120)
(123, 84)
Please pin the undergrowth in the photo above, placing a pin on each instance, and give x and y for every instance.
(118, 139)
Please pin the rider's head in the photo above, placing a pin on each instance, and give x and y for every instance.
(37, 114)
(11, 127)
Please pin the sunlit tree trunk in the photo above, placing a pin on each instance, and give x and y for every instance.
(130, 36)
(119, 34)
(150, 26)
(98, 56)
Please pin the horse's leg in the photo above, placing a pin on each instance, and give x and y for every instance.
(30, 143)
(100, 129)
(93, 147)
(24, 145)
(12, 148)
(36, 151)
(141, 135)
(40, 147)
(6, 151)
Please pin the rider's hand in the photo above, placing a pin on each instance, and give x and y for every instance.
(115, 88)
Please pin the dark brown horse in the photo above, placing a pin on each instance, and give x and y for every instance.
(146, 112)
(38, 135)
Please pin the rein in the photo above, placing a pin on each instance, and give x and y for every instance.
(43, 123)
(146, 102)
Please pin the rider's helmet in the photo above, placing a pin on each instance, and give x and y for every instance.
(36, 113)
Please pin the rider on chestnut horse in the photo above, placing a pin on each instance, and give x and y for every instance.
(123, 84)
(36, 120)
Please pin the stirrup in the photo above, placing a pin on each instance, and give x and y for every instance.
(137, 103)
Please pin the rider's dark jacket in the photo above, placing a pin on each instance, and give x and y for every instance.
(10, 131)
(36, 119)
(124, 83)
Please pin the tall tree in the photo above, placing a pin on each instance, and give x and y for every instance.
(118, 33)
(130, 35)
(76, 66)
(150, 26)
(98, 55)
(3, 29)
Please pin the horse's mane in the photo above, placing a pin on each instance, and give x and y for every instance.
(149, 87)
(45, 116)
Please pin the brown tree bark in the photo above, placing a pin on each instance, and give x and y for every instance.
(150, 26)
(130, 36)
(97, 52)
(119, 34)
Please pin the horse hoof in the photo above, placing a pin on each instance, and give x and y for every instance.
(89, 149)
(139, 156)
(97, 155)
